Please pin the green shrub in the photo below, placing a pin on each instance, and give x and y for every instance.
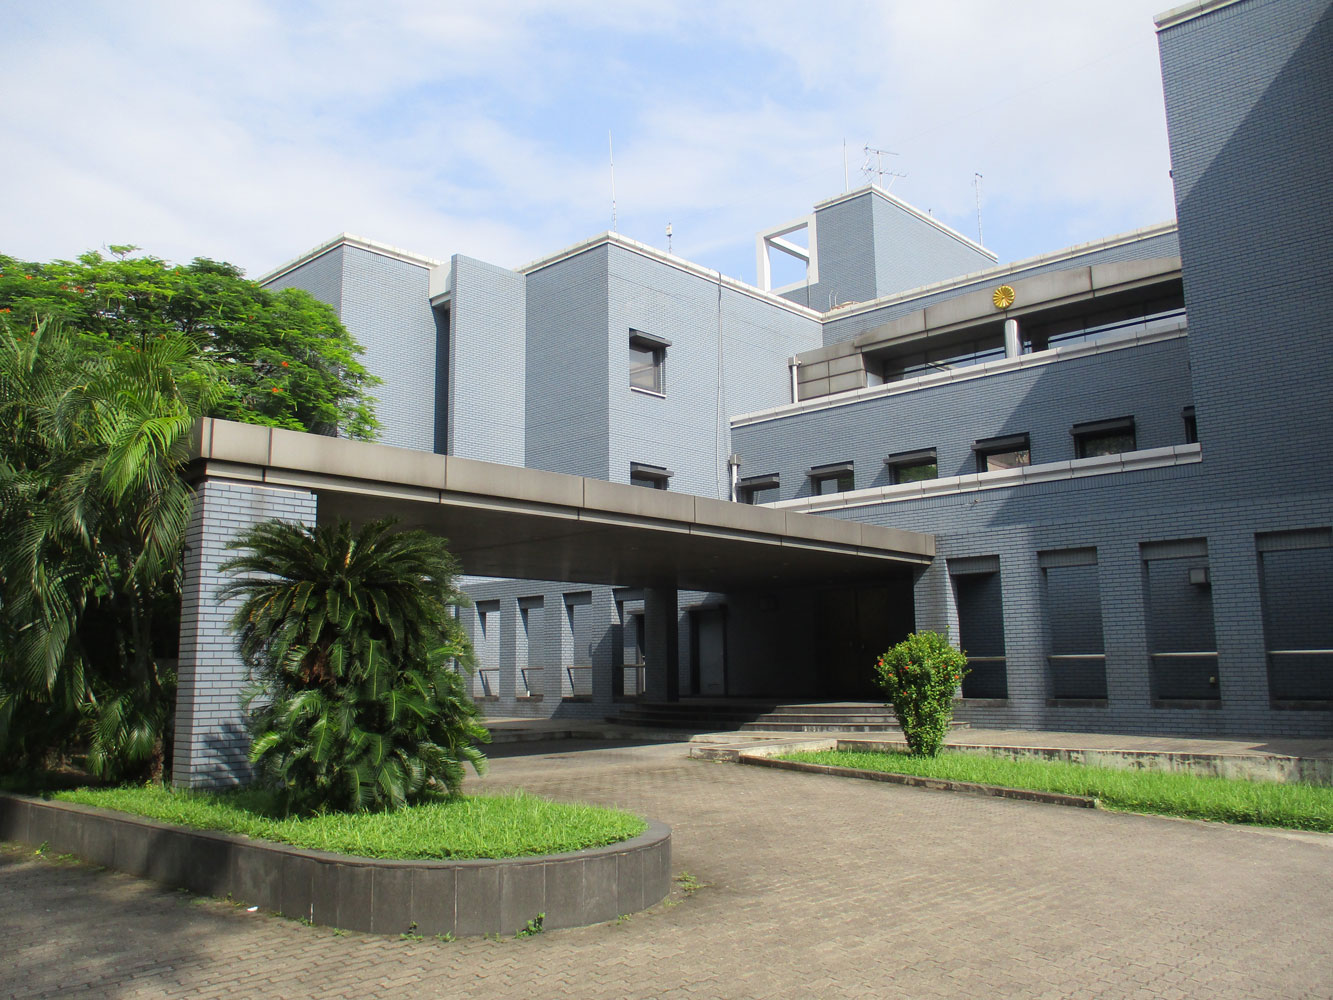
(920, 676)
(348, 633)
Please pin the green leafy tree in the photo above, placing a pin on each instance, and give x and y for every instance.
(349, 634)
(920, 675)
(92, 516)
(284, 357)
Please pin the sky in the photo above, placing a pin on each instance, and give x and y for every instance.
(251, 131)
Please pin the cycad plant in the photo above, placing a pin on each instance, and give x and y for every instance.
(349, 634)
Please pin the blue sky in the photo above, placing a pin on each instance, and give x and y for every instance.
(250, 131)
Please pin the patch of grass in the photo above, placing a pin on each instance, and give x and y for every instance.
(469, 826)
(1227, 800)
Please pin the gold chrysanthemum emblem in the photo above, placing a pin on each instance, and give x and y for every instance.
(1003, 297)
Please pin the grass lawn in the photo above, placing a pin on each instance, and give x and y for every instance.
(470, 826)
(1228, 800)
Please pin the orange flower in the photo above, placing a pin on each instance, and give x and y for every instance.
(276, 389)
(284, 364)
(4, 310)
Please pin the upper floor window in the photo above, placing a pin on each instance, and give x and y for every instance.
(647, 362)
(1104, 437)
(913, 466)
(1191, 425)
(999, 453)
(836, 477)
(758, 489)
(654, 477)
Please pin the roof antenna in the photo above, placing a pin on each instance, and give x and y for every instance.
(976, 183)
(668, 237)
(611, 149)
(877, 173)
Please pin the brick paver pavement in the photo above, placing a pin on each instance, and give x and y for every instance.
(813, 887)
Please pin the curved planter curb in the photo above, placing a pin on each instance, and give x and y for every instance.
(916, 781)
(484, 896)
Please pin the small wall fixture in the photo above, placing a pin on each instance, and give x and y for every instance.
(1199, 576)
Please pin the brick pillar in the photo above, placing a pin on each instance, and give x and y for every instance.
(212, 743)
(662, 642)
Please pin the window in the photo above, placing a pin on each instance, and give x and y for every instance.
(757, 489)
(1191, 425)
(997, 453)
(912, 466)
(1294, 572)
(976, 584)
(647, 362)
(1179, 606)
(654, 477)
(834, 478)
(1071, 596)
(1103, 437)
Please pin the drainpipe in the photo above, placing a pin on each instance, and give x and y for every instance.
(1013, 347)
(734, 463)
(791, 370)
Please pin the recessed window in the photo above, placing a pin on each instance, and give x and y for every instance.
(1104, 437)
(836, 477)
(1191, 425)
(757, 489)
(912, 466)
(999, 453)
(647, 362)
(654, 477)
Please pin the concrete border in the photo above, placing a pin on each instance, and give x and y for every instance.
(916, 781)
(359, 894)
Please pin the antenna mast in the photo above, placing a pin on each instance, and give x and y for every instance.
(976, 183)
(611, 149)
(877, 173)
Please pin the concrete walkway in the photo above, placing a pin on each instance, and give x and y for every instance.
(810, 887)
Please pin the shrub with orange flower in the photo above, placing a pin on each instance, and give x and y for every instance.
(920, 676)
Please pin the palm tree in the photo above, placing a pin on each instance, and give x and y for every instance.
(349, 635)
(93, 513)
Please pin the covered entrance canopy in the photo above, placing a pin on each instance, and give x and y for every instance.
(501, 521)
(506, 521)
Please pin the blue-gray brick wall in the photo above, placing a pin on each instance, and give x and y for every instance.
(568, 428)
(728, 353)
(487, 365)
(869, 246)
(384, 303)
(1250, 119)
(211, 741)
(1149, 382)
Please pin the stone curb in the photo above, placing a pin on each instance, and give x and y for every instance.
(916, 781)
(484, 896)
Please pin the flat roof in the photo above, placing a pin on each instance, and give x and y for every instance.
(508, 521)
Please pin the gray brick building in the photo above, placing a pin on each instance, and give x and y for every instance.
(1120, 448)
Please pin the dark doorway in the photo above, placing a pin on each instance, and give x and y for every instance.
(708, 651)
(856, 625)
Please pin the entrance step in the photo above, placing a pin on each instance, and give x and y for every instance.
(714, 715)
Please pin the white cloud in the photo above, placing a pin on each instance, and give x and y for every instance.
(251, 130)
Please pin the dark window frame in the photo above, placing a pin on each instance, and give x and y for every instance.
(1087, 436)
(655, 349)
(918, 459)
(653, 477)
(1009, 444)
(747, 488)
(841, 474)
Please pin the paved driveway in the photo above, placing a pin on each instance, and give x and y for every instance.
(812, 887)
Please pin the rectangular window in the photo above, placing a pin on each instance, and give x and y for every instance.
(837, 477)
(757, 489)
(1072, 599)
(486, 646)
(912, 466)
(1103, 437)
(1181, 640)
(976, 583)
(528, 647)
(647, 362)
(653, 477)
(998, 453)
(1295, 568)
(1191, 425)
